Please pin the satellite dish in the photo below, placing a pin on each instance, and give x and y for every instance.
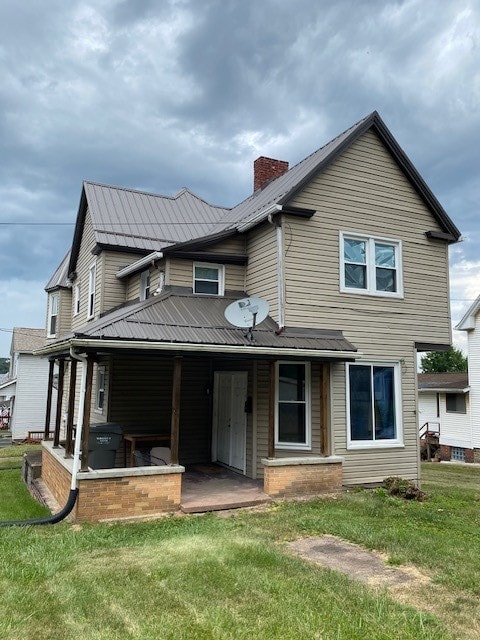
(247, 313)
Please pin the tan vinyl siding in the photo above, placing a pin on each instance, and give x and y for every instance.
(133, 283)
(365, 192)
(180, 273)
(234, 245)
(84, 262)
(113, 290)
(64, 315)
(261, 272)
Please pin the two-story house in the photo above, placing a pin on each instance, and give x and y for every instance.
(349, 248)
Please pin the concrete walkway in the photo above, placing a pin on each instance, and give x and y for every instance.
(210, 487)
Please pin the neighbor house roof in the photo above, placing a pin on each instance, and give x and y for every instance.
(452, 382)
(26, 340)
(179, 317)
(60, 278)
(145, 222)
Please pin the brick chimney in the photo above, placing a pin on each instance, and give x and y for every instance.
(264, 169)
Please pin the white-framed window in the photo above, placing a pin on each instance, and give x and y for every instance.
(370, 265)
(208, 278)
(52, 315)
(455, 403)
(145, 285)
(91, 291)
(100, 389)
(374, 405)
(76, 299)
(292, 405)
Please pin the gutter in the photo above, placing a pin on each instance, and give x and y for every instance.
(262, 214)
(139, 264)
(143, 345)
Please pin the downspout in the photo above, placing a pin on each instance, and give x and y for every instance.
(72, 497)
(280, 272)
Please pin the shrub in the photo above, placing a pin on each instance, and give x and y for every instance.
(403, 488)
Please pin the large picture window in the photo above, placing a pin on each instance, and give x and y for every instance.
(370, 265)
(373, 405)
(292, 419)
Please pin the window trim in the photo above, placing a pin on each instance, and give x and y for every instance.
(295, 446)
(377, 444)
(101, 371)
(51, 315)
(76, 299)
(458, 413)
(92, 281)
(370, 264)
(221, 278)
(145, 282)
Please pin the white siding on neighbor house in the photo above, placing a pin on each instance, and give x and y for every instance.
(455, 428)
(31, 396)
(363, 191)
(474, 380)
(428, 409)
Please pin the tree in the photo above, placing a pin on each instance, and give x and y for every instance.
(4, 365)
(452, 360)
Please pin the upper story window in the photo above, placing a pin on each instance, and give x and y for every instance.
(370, 265)
(208, 278)
(292, 410)
(456, 403)
(52, 315)
(91, 291)
(145, 285)
(76, 299)
(373, 405)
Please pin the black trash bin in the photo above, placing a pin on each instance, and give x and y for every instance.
(103, 442)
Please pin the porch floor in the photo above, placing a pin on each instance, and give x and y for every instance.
(210, 487)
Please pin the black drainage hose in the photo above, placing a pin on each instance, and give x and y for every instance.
(57, 517)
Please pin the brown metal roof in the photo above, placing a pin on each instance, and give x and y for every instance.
(60, 277)
(181, 317)
(442, 381)
(27, 340)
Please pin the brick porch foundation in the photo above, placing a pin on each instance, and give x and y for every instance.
(311, 476)
(112, 494)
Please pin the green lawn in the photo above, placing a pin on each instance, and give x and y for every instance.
(231, 577)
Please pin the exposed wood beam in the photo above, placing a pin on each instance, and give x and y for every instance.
(48, 410)
(86, 414)
(176, 395)
(71, 408)
(325, 410)
(58, 416)
(271, 411)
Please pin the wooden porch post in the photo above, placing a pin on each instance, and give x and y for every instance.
(175, 425)
(71, 408)
(86, 414)
(271, 411)
(48, 410)
(58, 416)
(325, 409)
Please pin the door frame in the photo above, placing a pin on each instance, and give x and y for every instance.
(216, 377)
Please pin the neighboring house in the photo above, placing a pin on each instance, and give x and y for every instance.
(444, 414)
(350, 249)
(26, 387)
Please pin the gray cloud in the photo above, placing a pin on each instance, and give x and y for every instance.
(186, 93)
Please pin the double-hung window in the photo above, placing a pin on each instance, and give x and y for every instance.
(455, 403)
(100, 389)
(208, 278)
(52, 316)
(145, 285)
(370, 265)
(373, 405)
(292, 410)
(91, 291)
(76, 299)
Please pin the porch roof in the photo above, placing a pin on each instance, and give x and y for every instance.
(178, 319)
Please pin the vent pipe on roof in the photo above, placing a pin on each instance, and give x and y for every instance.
(265, 169)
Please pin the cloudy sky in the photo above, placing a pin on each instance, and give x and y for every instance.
(162, 94)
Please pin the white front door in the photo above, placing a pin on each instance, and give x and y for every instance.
(229, 418)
